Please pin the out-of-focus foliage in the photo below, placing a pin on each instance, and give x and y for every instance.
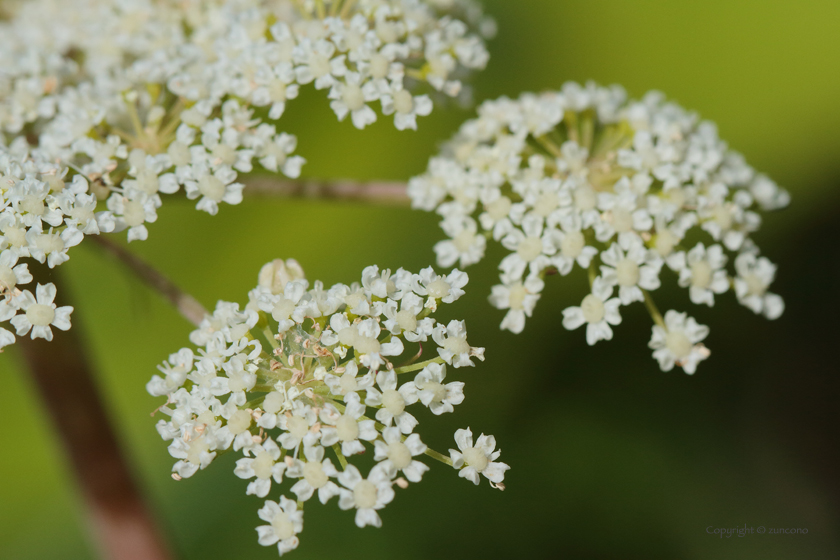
(611, 457)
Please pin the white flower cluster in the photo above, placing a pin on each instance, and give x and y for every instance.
(583, 178)
(105, 106)
(41, 217)
(147, 98)
(296, 372)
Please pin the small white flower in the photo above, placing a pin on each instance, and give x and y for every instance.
(702, 271)
(519, 299)
(628, 265)
(531, 249)
(175, 372)
(264, 466)
(317, 63)
(392, 401)
(396, 455)
(348, 382)
(404, 321)
(755, 274)
(432, 392)
(453, 345)
(347, 428)
(366, 495)
(195, 451)
(38, 314)
(406, 108)
(11, 273)
(446, 288)
(478, 459)
(52, 246)
(314, 474)
(351, 97)
(213, 187)
(571, 245)
(679, 342)
(598, 310)
(285, 522)
(465, 247)
(297, 425)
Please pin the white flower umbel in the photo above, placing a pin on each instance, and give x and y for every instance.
(677, 342)
(129, 104)
(301, 372)
(585, 178)
(128, 99)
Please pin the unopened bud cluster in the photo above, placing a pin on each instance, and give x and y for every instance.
(584, 178)
(303, 379)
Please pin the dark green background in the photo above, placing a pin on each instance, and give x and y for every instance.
(611, 458)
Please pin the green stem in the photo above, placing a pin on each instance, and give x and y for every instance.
(550, 146)
(341, 458)
(417, 366)
(345, 10)
(653, 310)
(571, 120)
(438, 456)
(135, 119)
(269, 337)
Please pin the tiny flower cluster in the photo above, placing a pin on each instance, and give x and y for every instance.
(125, 102)
(146, 98)
(294, 375)
(41, 218)
(583, 178)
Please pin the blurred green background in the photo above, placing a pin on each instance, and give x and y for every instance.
(611, 458)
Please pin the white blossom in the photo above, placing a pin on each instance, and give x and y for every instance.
(39, 313)
(366, 495)
(284, 523)
(598, 311)
(678, 343)
(473, 460)
(755, 274)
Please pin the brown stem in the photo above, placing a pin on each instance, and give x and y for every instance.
(122, 524)
(381, 192)
(187, 306)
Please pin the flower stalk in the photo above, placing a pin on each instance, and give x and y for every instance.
(384, 192)
(119, 519)
(187, 306)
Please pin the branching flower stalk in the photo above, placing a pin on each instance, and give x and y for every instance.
(119, 518)
(124, 104)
